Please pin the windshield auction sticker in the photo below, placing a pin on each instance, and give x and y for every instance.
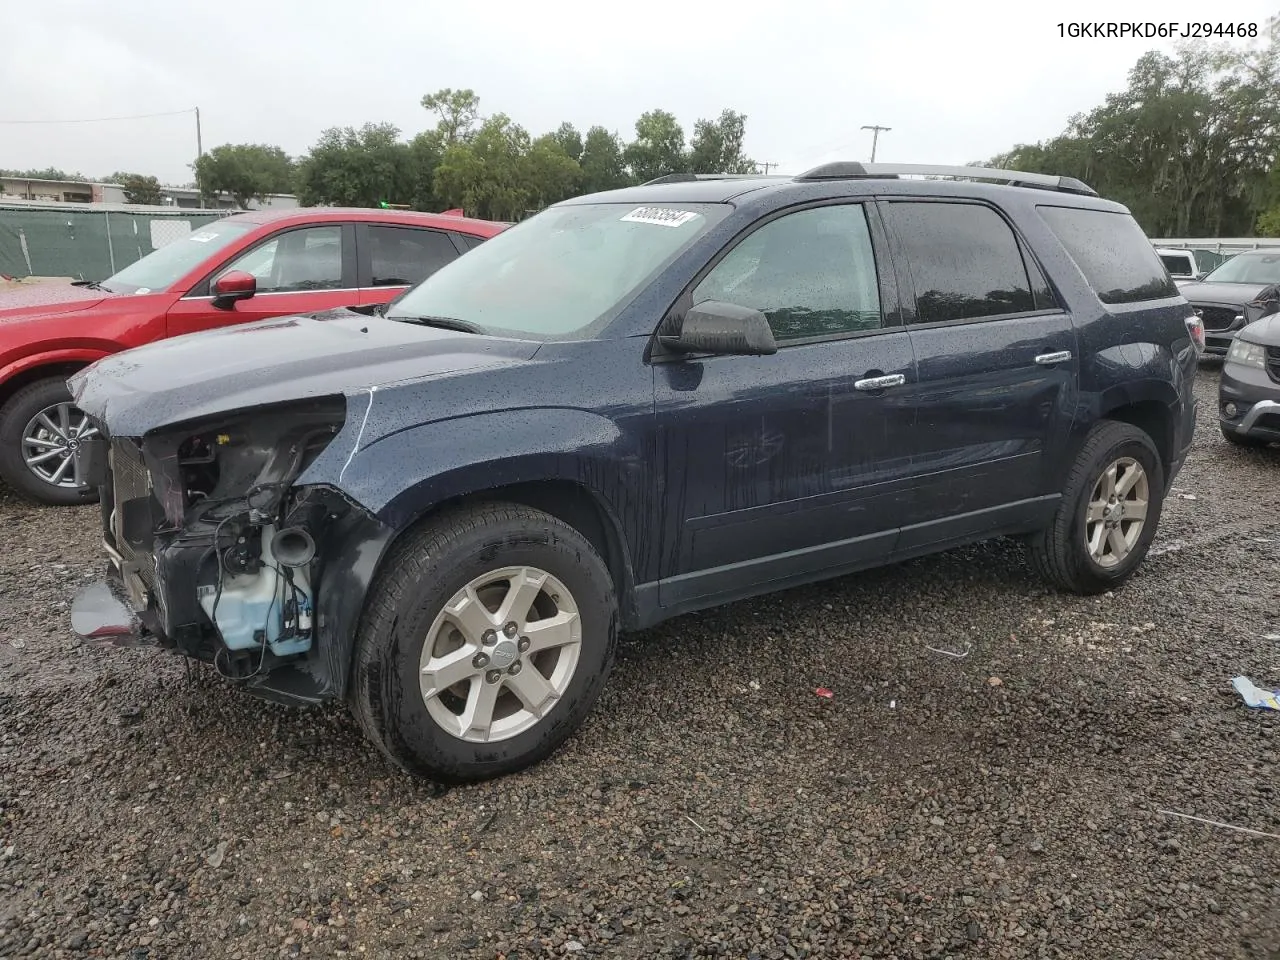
(660, 216)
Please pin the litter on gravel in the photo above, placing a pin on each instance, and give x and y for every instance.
(1255, 696)
(217, 855)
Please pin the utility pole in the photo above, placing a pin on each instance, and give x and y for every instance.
(875, 137)
(199, 155)
(766, 167)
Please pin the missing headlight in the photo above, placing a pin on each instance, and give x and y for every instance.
(251, 456)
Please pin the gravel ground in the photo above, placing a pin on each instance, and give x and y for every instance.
(1001, 805)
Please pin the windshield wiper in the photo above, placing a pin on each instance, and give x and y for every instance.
(444, 323)
(92, 285)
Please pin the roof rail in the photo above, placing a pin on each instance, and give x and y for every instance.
(692, 177)
(850, 170)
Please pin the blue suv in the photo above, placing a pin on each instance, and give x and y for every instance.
(633, 405)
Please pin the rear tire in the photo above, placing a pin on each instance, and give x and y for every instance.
(16, 417)
(1242, 440)
(1096, 541)
(437, 683)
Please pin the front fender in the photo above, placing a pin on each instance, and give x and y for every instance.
(401, 476)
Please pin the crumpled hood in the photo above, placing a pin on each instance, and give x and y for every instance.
(1239, 293)
(274, 361)
(33, 300)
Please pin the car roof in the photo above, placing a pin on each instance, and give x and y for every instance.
(439, 221)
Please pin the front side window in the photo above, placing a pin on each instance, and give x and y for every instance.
(564, 273)
(964, 261)
(811, 273)
(296, 261)
(400, 256)
(162, 268)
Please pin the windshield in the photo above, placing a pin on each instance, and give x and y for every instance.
(564, 273)
(1248, 268)
(161, 268)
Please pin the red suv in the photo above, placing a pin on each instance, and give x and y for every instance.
(251, 266)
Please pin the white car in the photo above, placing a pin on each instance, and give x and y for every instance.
(1181, 264)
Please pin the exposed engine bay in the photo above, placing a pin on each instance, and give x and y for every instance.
(216, 548)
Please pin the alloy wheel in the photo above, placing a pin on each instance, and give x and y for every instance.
(1117, 512)
(51, 443)
(501, 654)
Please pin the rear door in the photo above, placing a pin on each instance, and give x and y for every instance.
(302, 269)
(997, 371)
(392, 258)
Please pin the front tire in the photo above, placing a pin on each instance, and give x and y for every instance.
(40, 430)
(486, 640)
(1108, 515)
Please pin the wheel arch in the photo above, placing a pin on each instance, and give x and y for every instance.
(570, 501)
(1148, 405)
(29, 370)
(369, 543)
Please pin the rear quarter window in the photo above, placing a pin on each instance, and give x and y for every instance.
(1176, 265)
(1112, 252)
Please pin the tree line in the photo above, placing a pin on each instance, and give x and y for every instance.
(491, 167)
(1191, 146)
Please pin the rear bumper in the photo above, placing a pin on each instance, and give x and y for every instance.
(1185, 412)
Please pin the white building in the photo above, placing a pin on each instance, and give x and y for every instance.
(75, 191)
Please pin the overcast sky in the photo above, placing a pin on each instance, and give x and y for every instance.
(956, 81)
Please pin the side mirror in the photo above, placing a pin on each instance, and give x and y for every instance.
(232, 286)
(714, 326)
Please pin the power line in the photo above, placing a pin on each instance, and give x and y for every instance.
(138, 116)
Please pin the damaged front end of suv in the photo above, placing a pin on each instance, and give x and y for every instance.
(220, 546)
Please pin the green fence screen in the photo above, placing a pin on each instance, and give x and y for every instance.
(86, 244)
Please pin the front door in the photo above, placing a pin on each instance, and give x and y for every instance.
(779, 468)
(302, 270)
(997, 361)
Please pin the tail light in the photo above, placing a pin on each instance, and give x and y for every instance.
(1195, 327)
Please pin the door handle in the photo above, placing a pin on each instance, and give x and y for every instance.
(880, 383)
(1048, 359)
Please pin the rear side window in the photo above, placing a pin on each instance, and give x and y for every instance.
(1113, 253)
(1178, 266)
(400, 256)
(469, 241)
(964, 259)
